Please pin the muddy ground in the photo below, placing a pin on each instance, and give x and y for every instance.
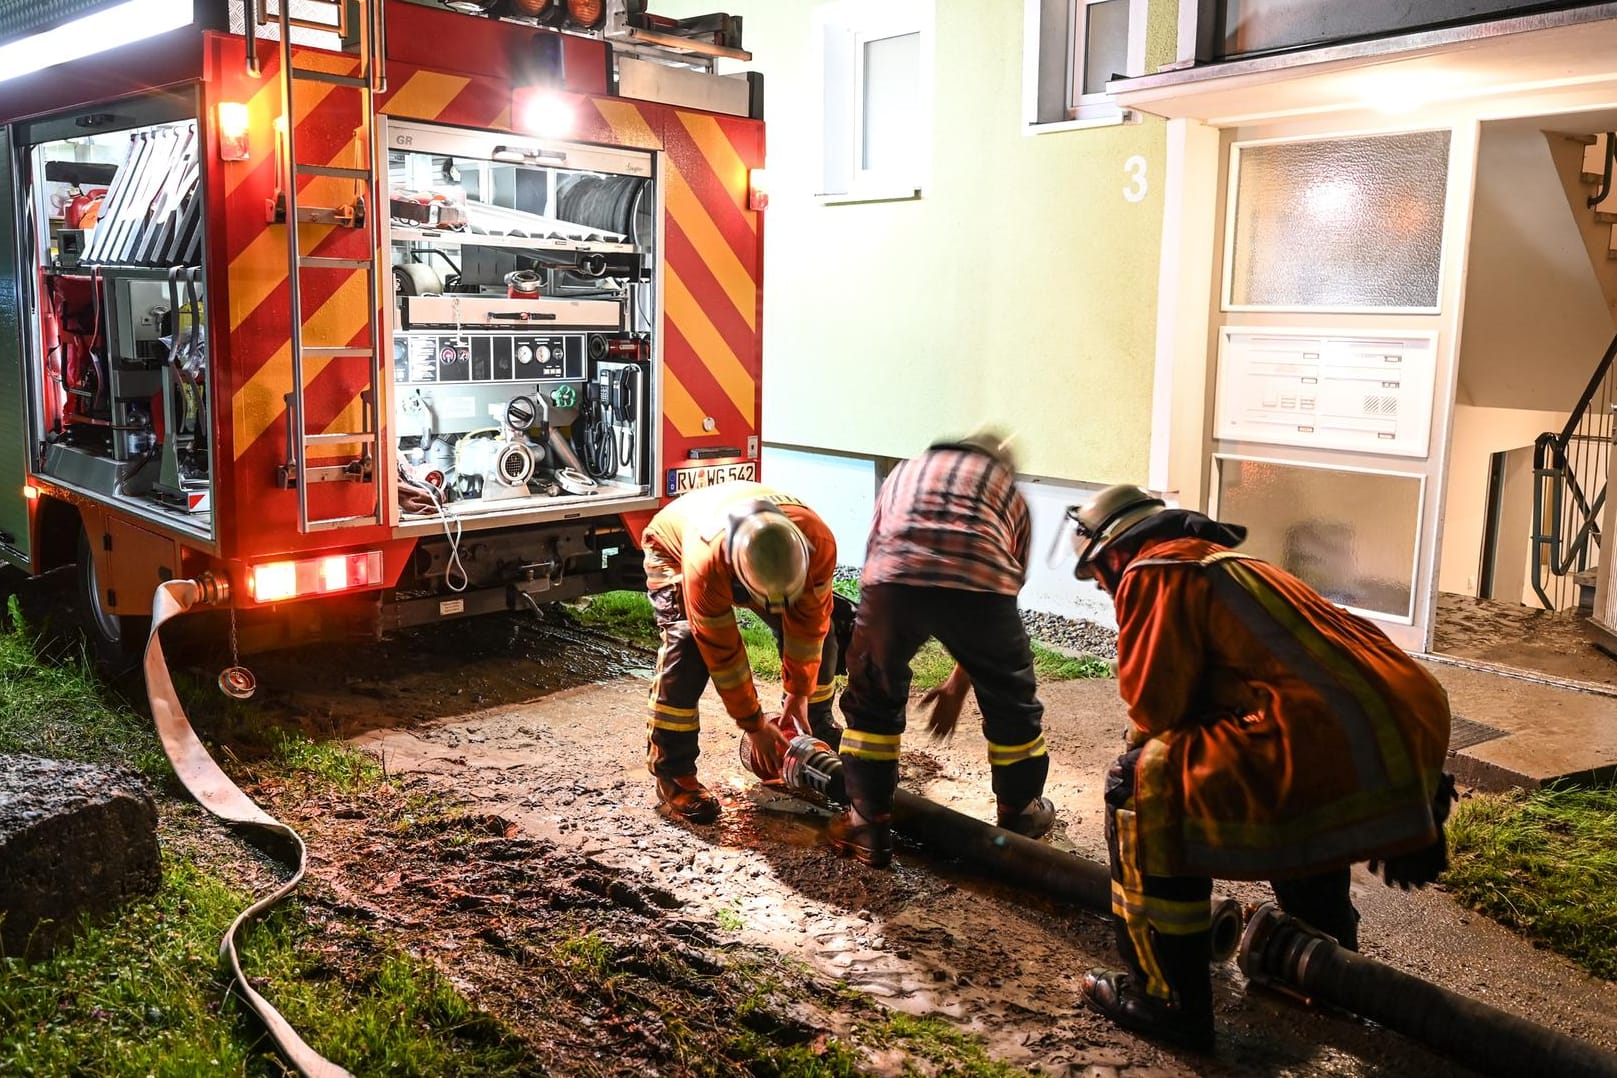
(537, 728)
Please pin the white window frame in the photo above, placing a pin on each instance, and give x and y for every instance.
(1067, 22)
(848, 26)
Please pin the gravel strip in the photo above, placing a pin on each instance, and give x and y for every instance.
(1074, 636)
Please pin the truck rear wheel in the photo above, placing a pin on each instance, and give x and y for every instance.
(116, 640)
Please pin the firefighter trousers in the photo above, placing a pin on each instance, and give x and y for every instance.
(1164, 923)
(673, 724)
(985, 635)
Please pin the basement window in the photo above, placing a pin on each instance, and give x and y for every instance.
(1072, 49)
(876, 91)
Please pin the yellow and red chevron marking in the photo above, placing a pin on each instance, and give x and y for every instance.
(434, 96)
(712, 266)
(257, 316)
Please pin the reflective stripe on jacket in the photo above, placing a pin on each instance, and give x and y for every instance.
(1282, 734)
(685, 545)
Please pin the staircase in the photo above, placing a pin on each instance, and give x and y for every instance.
(1570, 466)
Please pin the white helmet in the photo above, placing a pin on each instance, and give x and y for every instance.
(769, 555)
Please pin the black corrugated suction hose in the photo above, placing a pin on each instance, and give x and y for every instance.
(811, 768)
(1283, 952)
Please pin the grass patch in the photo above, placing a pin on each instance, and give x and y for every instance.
(933, 1046)
(310, 766)
(142, 995)
(1052, 665)
(1545, 864)
(627, 616)
(61, 710)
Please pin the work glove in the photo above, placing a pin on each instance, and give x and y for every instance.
(1423, 866)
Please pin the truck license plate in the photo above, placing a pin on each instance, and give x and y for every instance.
(681, 480)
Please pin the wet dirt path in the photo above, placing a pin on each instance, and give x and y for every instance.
(566, 766)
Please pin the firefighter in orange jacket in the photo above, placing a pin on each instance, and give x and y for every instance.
(1272, 736)
(736, 544)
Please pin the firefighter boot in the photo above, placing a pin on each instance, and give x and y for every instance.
(1035, 819)
(852, 835)
(1185, 1019)
(864, 830)
(686, 796)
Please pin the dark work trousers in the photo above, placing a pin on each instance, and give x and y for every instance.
(985, 635)
(1164, 923)
(673, 723)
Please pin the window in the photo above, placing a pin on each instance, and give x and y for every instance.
(876, 75)
(1073, 49)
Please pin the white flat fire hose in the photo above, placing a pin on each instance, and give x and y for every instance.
(215, 792)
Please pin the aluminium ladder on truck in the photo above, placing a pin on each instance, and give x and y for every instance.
(361, 22)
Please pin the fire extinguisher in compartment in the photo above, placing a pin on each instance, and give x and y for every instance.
(622, 347)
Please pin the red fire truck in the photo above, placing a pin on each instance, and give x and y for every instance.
(381, 311)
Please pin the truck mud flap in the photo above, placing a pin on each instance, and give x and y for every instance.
(214, 790)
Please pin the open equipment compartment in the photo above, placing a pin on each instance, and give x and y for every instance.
(112, 223)
(524, 297)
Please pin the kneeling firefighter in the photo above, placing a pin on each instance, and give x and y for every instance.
(736, 544)
(1272, 736)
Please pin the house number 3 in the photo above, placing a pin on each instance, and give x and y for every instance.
(1135, 167)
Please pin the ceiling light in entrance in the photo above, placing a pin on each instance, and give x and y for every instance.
(1396, 91)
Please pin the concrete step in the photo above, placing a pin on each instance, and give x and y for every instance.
(1594, 159)
(1521, 730)
(1585, 582)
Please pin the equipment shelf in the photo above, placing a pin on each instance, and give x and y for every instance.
(473, 239)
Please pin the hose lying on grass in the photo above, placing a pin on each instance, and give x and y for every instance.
(214, 791)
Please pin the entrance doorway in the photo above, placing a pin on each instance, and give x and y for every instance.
(1520, 580)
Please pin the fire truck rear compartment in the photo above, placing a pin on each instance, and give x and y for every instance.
(523, 305)
(112, 229)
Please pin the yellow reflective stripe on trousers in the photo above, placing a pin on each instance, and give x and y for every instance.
(714, 621)
(822, 693)
(1000, 755)
(1171, 917)
(678, 726)
(866, 746)
(1128, 900)
(673, 712)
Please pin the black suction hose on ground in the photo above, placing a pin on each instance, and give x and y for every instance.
(1284, 953)
(810, 767)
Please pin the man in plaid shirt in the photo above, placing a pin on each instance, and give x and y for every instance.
(947, 556)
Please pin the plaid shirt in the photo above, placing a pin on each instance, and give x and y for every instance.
(949, 518)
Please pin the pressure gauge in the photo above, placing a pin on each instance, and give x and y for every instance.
(543, 353)
(524, 354)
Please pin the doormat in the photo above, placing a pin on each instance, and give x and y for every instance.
(1464, 733)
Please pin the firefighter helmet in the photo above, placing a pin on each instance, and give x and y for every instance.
(1098, 524)
(769, 555)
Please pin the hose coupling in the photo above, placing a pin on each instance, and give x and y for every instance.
(212, 590)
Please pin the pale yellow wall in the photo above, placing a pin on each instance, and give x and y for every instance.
(1536, 320)
(1020, 287)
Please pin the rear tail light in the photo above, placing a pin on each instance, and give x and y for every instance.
(273, 581)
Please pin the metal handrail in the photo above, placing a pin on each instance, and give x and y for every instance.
(1605, 177)
(1555, 475)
